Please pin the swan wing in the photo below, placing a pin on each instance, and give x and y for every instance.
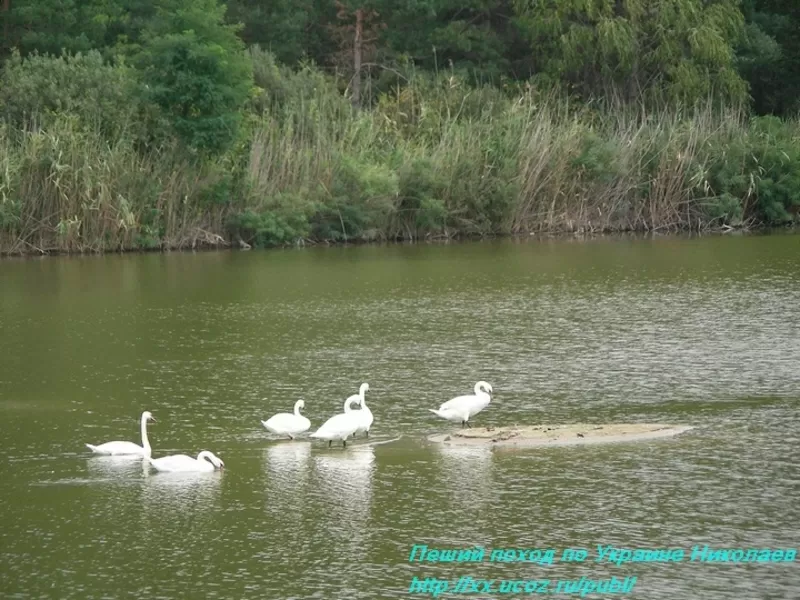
(178, 462)
(338, 427)
(479, 404)
(287, 423)
(458, 403)
(365, 418)
(368, 418)
(117, 448)
(450, 414)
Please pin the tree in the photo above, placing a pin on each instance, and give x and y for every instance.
(676, 50)
(769, 55)
(50, 26)
(356, 32)
(195, 69)
(290, 29)
(477, 35)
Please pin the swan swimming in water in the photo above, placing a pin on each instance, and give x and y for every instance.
(181, 463)
(365, 417)
(341, 426)
(460, 409)
(127, 448)
(288, 423)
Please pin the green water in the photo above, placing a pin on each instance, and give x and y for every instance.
(704, 332)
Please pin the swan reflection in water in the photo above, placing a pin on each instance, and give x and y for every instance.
(466, 475)
(115, 468)
(343, 483)
(179, 491)
(287, 466)
(288, 460)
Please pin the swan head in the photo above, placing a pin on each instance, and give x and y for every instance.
(212, 458)
(216, 460)
(487, 387)
(301, 404)
(363, 389)
(148, 416)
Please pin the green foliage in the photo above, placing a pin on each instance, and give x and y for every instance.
(421, 190)
(279, 221)
(291, 30)
(164, 131)
(769, 55)
(757, 175)
(280, 88)
(34, 90)
(359, 202)
(596, 158)
(50, 26)
(196, 70)
(676, 50)
(478, 37)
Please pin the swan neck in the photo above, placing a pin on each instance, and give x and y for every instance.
(145, 441)
(297, 408)
(480, 391)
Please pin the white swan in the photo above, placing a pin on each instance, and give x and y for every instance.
(460, 409)
(205, 462)
(365, 417)
(341, 426)
(127, 448)
(288, 423)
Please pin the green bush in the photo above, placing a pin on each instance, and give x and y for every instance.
(196, 70)
(359, 203)
(421, 189)
(757, 175)
(38, 89)
(278, 221)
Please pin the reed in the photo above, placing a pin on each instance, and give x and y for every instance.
(431, 158)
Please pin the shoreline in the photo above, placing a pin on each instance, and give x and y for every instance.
(227, 246)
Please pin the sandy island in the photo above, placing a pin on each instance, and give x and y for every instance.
(528, 436)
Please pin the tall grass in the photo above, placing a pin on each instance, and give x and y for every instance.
(433, 158)
(68, 189)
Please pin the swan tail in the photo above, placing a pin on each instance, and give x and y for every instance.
(437, 412)
(92, 448)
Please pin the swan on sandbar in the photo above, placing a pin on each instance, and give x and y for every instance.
(365, 417)
(181, 463)
(127, 448)
(339, 427)
(460, 409)
(288, 423)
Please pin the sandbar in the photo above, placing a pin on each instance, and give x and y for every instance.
(536, 436)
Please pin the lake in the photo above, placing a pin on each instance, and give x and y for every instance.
(702, 331)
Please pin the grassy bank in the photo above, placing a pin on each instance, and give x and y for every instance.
(432, 158)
